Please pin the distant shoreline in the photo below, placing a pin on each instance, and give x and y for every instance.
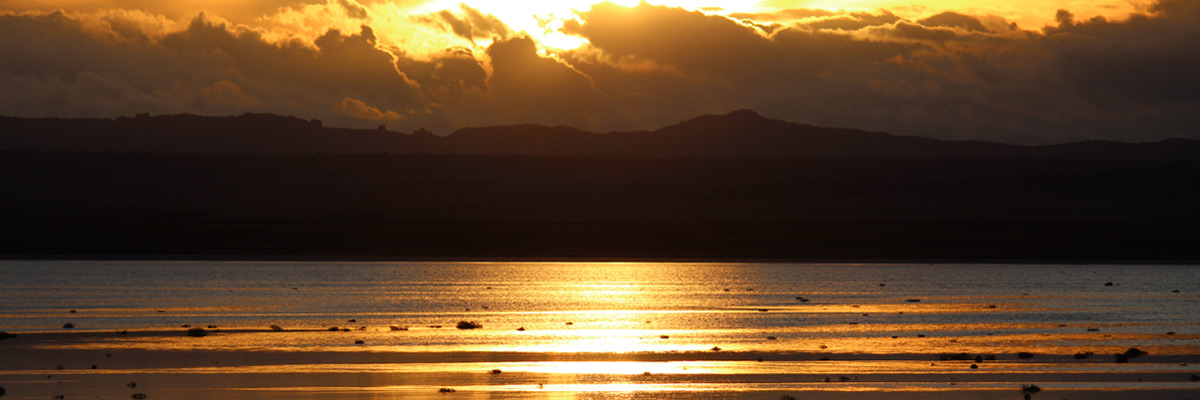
(738, 134)
(428, 207)
(582, 259)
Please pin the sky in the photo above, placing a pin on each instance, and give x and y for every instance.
(1014, 71)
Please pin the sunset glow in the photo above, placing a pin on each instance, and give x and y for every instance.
(1015, 71)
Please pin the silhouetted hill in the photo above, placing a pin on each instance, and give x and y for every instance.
(740, 134)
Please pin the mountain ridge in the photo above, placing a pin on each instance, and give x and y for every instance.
(741, 133)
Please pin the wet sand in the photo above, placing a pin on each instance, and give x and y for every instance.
(31, 362)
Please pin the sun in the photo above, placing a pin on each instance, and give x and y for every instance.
(543, 20)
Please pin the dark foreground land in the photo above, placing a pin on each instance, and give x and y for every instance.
(102, 205)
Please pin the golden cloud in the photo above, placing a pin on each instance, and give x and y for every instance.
(355, 63)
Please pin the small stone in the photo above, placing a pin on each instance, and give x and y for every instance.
(469, 325)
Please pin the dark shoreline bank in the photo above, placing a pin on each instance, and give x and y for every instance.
(517, 208)
(581, 259)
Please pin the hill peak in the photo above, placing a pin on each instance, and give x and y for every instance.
(740, 116)
(744, 113)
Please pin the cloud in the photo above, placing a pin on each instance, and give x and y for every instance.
(952, 19)
(671, 36)
(355, 108)
(353, 9)
(787, 15)
(1146, 60)
(948, 74)
(851, 21)
(207, 67)
(528, 86)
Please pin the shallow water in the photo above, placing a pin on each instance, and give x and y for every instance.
(590, 326)
(618, 307)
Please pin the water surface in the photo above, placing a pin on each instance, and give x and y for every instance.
(649, 328)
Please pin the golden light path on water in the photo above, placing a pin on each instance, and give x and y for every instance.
(621, 330)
